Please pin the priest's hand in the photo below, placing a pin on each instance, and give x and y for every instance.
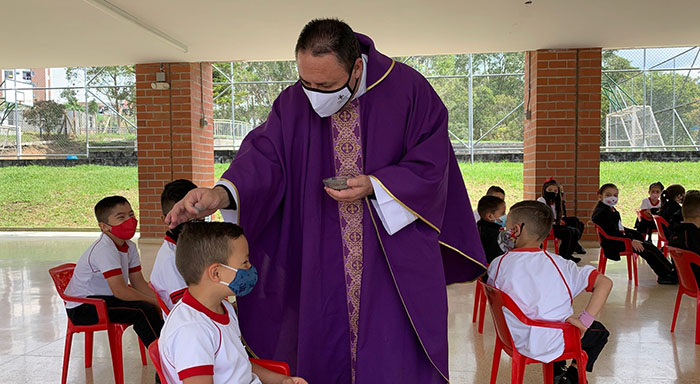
(360, 187)
(199, 202)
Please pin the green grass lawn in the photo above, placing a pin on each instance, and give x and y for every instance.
(44, 197)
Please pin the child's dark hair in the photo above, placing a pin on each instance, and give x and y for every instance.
(656, 185)
(173, 192)
(606, 186)
(202, 244)
(489, 204)
(671, 193)
(495, 189)
(558, 200)
(535, 216)
(104, 207)
(691, 205)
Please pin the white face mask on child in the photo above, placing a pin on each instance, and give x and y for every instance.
(610, 201)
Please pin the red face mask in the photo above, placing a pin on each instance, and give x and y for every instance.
(125, 230)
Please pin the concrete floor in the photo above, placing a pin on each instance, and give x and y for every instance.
(32, 327)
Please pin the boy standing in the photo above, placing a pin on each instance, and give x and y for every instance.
(107, 268)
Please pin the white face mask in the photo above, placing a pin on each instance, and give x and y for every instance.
(326, 103)
(610, 201)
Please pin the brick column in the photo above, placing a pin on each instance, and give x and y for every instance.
(562, 127)
(172, 144)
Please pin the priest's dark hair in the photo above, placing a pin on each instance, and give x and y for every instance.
(324, 36)
(202, 244)
(173, 192)
(104, 207)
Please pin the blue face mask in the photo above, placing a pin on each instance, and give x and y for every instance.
(244, 281)
(502, 220)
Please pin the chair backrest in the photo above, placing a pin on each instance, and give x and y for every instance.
(61, 276)
(275, 366)
(497, 300)
(155, 358)
(683, 260)
(661, 226)
(162, 305)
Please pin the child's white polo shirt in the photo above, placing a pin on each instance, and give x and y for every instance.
(99, 262)
(165, 277)
(196, 341)
(543, 286)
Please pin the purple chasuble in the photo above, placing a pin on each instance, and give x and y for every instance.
(338, 298)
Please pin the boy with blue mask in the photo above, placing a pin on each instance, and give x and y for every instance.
(201, 339)
(492, 211)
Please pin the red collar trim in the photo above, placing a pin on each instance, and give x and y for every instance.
(221, 318)
(657, 202)
(526, 250)
(123, 248)
(170, 240)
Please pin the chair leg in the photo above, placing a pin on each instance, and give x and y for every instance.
(629, 267)
(115, 347)
(635, 262)
(477, 299)
(602, 261)
(66, 356)
(697, 320)
(548, 372)
(496, 360)
(679, 296)
(88, 349)
(482, 311)
(518, 371)
(582, 363)
(142, 349)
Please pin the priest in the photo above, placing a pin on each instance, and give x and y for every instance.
(353, 273)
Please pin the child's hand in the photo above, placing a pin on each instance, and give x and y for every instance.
(575, 321)
(294, 380)
(637, 245)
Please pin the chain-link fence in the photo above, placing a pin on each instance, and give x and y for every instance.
(66, 112)
(651, 99)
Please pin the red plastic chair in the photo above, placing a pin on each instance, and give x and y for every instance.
(61, 276)
(479, 307)
(504, 341)
(661, 242)
(161, 304)
(641, 217)
(687, 284)
(551, 237)
(628, 252)
(275, 366)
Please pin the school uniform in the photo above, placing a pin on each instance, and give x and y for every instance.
(568, 234)
(165, 277)
(543, 286)
(687, 236)
(102, 260)
(608, 218)
(196, 341)
(488, 232)
(672, 213)
(646, 226)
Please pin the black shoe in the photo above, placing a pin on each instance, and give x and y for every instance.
(571, 375)
(668, 280)
(575, 259)
(560, 375)
(579, 249)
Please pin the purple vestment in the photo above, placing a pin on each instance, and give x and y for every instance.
(299, 312)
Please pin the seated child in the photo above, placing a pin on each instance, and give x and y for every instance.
(670, 210)
(201, 340)
(492, 211)
(608, 218)
(544, 287)
(493, 190)
(107, 268)
(165, 278)
(650, 206)
(567, 229)
(687, 234)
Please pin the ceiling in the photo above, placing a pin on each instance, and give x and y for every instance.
(50, 33)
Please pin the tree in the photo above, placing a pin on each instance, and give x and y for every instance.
(47, 115)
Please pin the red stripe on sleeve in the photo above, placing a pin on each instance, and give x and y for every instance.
(135, 269)
(202, 370)
(112, 272)
(177, 295)
(591, 280)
